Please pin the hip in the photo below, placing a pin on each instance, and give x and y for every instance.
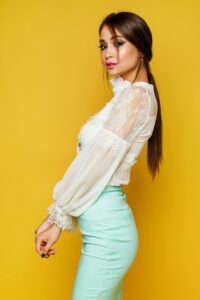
(109, 216)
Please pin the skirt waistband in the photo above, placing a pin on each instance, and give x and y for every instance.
(109, 188)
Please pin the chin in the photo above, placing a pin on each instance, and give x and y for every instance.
(112, 72)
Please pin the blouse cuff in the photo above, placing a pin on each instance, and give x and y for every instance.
(65, 222)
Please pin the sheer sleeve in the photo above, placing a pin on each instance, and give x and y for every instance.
(95, 164)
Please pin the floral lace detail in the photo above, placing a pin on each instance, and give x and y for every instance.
(131, 111)
(65, 222)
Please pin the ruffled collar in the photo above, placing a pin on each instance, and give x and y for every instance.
(118, 84)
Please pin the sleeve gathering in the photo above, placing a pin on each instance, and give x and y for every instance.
(93, 167)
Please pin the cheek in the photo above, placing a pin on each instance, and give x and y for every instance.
(127, 56)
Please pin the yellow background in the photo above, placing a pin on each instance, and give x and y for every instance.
(51, 82)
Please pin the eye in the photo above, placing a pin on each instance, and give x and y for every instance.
(119, 43)
(101, 46)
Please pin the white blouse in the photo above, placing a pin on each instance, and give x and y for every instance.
(108, 146)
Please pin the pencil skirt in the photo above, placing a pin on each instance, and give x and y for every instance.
(109, 247)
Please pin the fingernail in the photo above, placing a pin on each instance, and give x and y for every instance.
(43, 254)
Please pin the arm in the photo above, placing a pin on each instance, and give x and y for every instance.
(93, 167)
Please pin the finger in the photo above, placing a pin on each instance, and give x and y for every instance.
(36, 237)
(42, 228)
(38, 232)
(39, 243)
(43, 255)
(46, 248)
(52, 251)
(42, 247)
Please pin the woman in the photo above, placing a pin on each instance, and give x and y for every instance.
(90, 193)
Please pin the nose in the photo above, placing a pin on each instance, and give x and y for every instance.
(109, 57)
(110, 53)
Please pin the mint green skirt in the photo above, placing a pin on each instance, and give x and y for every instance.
(109, 247)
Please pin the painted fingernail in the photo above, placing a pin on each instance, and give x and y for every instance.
(43, 255)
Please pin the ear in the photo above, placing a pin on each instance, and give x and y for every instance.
(141, 54)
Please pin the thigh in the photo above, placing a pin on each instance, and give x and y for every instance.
(91, 281)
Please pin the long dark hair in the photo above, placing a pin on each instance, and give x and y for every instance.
(135, 30)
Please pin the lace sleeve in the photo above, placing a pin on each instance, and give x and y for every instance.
(130, 113)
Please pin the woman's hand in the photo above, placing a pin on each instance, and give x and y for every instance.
(46, 239)
(43, 226)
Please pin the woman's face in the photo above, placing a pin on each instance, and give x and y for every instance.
(125, 63)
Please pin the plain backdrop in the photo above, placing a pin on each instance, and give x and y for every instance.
(51, 81)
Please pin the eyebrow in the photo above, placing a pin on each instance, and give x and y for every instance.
(112, 37)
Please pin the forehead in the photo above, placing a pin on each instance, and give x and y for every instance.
(106, 34)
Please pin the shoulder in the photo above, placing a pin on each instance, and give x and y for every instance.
(135, 95)
(137, 90)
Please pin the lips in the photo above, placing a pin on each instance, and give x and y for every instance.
(110, 64)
